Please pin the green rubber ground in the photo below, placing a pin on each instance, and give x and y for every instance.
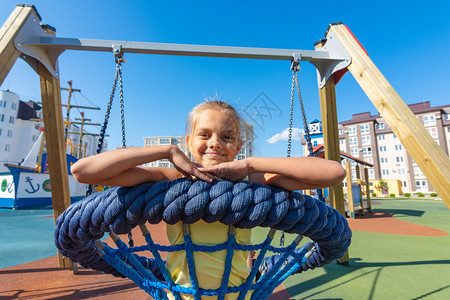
(385, 266)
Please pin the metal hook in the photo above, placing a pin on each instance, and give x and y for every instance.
(295, 65)
(118, 54)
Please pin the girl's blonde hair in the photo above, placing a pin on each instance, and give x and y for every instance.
(214, 105)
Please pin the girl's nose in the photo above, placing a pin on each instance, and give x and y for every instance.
(214, 143)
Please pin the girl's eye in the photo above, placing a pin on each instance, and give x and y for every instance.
(203, 134)
(228, 138)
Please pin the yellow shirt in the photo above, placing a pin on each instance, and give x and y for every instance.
(209, 266)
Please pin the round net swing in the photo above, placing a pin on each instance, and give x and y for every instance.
(239, 205)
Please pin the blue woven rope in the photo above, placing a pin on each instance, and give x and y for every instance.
(242, 204)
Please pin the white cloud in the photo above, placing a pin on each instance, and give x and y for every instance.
(283, 136)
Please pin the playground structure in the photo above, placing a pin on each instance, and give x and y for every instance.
(23, 36)
(356, 191)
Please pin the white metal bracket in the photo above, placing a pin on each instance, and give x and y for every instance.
(27, 41)
(327, 68)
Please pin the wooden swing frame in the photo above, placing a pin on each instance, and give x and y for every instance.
(23, 36)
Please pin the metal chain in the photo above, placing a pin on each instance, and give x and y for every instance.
(105, 122)
(122, 111)
(291, 116)
(305, 121)
(307, 133)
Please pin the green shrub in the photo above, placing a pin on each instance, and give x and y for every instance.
(420, 195)
(433, 195)
(392, 195)
(407, 194)
(374, 194)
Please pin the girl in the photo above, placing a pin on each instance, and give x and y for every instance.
(214, 141)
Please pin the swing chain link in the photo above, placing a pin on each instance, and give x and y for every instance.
(122, 110)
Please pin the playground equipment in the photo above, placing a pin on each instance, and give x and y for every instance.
(241, 205)
(355, 197)
(23, 36)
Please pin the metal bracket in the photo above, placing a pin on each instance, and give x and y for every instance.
(118, 53)
(327, 68)
(295, 65)
(31, 33)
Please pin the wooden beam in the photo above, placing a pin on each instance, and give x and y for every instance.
(366, 178)
(351, 206)
(330, 131)
(332, 151)
(56, 147)
(428, 155)
(358, 180)
(8, 32)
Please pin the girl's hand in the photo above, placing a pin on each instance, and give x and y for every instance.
(234, 170)
(188, 168)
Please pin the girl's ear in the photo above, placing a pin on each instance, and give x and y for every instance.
(188, 139)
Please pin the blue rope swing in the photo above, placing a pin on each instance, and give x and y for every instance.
(241, 205)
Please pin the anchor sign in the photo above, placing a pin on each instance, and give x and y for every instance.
(33, 188)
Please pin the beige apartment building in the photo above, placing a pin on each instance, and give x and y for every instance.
(368, 137)
(180, 142)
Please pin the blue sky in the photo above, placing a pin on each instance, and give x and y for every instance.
(407, 40)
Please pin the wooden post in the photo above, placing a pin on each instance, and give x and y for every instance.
(56, 147)
(351, 207)
(330, 131)
(331, 150)
(8, 32)
(366, 177)
(358, 180)
(428, 155)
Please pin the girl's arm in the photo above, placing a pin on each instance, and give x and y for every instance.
(291, 173)
(120, 167)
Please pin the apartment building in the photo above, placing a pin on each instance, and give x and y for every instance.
(369, 137)
(180, 142)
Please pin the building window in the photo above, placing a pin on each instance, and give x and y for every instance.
(371, 174)
(432, 131)
(0, 131)
(380, 126)
(354, 151)
(399, 159)
(364, 128)
(9, 133)
(13, 106)
(429, 120)
(382, 148)
(398, 147)
(381, 137)
(3, 103)
(365, 140)
(418, 172)
(384, 160)
(341, 131)
(385, 172)
(447, 117)
(11, 119)
(421, 185)
(2, 117)
(369, 160)
(367, 151)
(7, 147)
(164, 141)
(352, 130)
(341, 141)
(353, 141)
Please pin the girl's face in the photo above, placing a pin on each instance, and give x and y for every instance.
(214, 139)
